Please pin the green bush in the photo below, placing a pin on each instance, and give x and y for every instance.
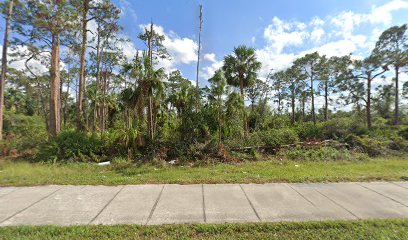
(274, 121)
(398, 143)
(25, 133)
(404, 133)
(202, 151)
(321, 154)
(370, 145)
(340, 127)
(307, 130)
(255, 139)
(73, 146)
(278, 137)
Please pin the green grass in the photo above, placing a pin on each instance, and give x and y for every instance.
(373, 229)
(17, 173)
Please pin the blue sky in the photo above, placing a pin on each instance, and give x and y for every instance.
(280, 31)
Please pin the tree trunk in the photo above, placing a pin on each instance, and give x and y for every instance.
(150, 118)
(4, 65)
(98, 76)
(241, 88)
(81, 87)
(60, 100)
(107, 119)
(103, 92)
(326, 100)
(66, 101)
(303, 108)
(313, 103)
(293, 104)
(396, 109)
(219, 120)
(368, 107)
(150, 103)
(55, 127)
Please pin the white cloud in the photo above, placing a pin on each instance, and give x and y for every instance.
(383, 14)
(317, 34)
(270, 61)
(317, 22)
(208, 71)
(341, 47)
(346, 21)
(181, 50)
(282, 34)
(36, 64)
(210, 57)
(128, 49)
(338, 38)
(126, 8)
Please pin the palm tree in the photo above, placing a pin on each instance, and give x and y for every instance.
(240, 69)
(217, 90)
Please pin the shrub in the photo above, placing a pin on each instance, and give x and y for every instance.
(307, 130)
(321, 154)
(25, 133)
(73, 146)
(277, 121)
(255, 139)
(201, 151)
(278, 137)
(237, 141)
(370, 145)
(404, 133)
(340, 128)
(398, 143)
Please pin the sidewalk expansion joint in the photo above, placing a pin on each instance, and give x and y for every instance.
(392, 199)
(22, 210)
(106, 205)
(301, 195)
(396, 184)
(155, 205)
(204, 215)
(336, 203)
(250, 203)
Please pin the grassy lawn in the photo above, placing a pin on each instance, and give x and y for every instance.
(17, 173)
(373, 229)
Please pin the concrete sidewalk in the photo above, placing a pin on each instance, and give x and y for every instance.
(207, 203)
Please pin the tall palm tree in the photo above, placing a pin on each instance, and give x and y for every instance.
(240, 69)
(217, 90)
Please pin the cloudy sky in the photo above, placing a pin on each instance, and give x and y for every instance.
(280, 30)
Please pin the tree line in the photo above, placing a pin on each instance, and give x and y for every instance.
(145, 104)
